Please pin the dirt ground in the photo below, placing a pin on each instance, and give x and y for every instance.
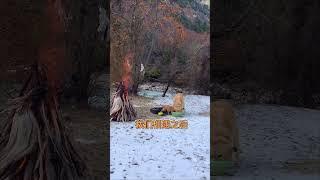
(142, 106)
(87, 127)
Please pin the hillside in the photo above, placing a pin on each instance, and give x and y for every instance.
(170, 38)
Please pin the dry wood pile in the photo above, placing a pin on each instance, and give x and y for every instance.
(34, 144)
(121, 108)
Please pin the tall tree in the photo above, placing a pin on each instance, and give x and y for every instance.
(33, 142)
(87, 41)
(130, 27)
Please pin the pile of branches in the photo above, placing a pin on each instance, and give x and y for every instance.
(121, 108)
(33, 142)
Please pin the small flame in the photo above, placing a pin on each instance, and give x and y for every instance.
(126, 76)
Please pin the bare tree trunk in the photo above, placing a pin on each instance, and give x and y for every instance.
(83, 41)
(165, 91)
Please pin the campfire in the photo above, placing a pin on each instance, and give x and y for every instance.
(121, 108)
(33, 142)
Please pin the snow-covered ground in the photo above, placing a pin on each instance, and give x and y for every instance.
(271, 137)
(164, 153)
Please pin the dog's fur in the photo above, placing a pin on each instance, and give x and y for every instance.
(178, 104)
(225, 140)
(167, 108)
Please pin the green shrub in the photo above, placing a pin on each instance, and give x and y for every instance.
(153, 73)
(182, 58)
(167, 55)
(197, 26)
(195, 5)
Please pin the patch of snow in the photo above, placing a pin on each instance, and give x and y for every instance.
(152, 94)
(163, 153)
(194, 104)
(270, 136)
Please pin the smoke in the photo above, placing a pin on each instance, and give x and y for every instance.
(127, 70)
(52, 50)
